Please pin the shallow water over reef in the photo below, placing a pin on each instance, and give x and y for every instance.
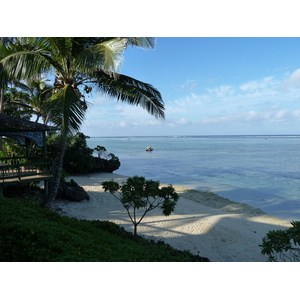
(262, 171)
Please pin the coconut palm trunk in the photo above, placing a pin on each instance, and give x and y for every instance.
(1, 110)
(55, 182)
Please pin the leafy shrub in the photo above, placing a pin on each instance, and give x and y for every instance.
(283, 244)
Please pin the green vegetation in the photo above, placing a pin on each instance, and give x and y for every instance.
(31, 233)
(78, 156)
(283, 244)
(139, 193)
(28, 99)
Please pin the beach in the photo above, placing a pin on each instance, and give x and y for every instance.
(202, 222)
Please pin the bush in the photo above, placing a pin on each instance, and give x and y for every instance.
(283, 244)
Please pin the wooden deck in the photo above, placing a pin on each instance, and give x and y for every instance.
(24, 179)
(24, 173)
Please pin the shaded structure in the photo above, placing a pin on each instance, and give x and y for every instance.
(24, 131)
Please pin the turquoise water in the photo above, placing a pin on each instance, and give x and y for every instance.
(262, 171)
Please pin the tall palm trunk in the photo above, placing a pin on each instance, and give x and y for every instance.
(54, 183)
(1, 100)
(1, 110)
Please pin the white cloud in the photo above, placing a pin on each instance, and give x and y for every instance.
(281, 116)
(221, 91)
(190, 85)
(257, 104)
(183, 121)
(265, 83)
(293, 81)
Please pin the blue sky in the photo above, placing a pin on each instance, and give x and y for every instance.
(210, 86)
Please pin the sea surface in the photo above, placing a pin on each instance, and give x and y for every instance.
(262, 171)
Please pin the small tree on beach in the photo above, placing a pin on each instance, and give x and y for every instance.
(139, 193)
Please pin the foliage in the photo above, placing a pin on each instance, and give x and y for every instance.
(11, 148)
(27, 98)
(100, 150)
(15, 108)
(79, 157)
(102, 153)
(139, 193)
(283, 244)
(31, 233)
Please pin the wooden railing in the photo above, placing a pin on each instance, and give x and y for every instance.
(19, 171)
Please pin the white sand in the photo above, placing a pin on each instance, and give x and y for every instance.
(203, 222)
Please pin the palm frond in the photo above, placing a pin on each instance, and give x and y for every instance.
(107, 55)
(67, 110)
(132, 91)
(24, 87)
(60, 49)
(23, 65)
(143, 42)
(28, 57)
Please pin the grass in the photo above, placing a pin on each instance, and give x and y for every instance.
(29, 233)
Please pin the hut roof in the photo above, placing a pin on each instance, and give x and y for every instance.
(12, 124)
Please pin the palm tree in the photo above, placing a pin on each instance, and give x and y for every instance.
(33, 98)
(79, 65)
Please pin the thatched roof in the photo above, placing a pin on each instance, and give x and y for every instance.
(12, 124)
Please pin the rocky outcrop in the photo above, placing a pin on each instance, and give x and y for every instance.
(72, 191)
(104, 165)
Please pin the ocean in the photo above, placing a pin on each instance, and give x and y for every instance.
(261, 171)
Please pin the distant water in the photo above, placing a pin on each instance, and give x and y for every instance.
(262, 171)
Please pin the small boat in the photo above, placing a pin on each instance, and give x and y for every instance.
(149, 149)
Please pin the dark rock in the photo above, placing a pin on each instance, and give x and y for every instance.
(72, 191)
(104, 165)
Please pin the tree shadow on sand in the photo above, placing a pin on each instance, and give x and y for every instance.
(211, 227)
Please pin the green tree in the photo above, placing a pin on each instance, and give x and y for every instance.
(139, 193)
(79, 65)
(25, 99)
(34, 99)
(282, 244)
(14, 100)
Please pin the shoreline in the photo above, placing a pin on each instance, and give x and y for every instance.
(203, 222)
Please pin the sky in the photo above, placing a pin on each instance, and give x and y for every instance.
(222, 67)
(210, 86)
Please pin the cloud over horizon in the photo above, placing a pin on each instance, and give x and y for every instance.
(262, 102)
